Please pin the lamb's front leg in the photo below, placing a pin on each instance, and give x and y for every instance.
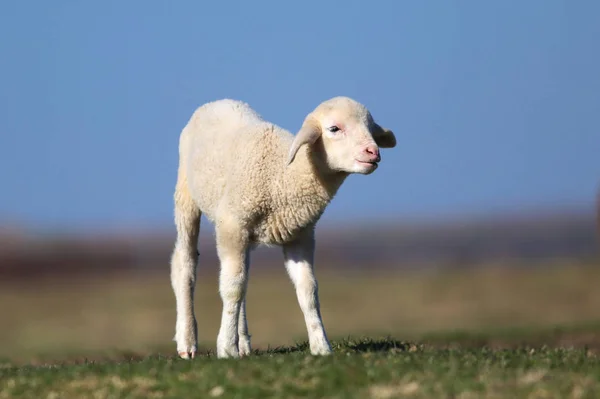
(233, 255)
(299, 258)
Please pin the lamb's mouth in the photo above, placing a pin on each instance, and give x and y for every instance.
(371, 163)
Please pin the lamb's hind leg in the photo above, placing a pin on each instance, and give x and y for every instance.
(244, 336)
(233, 250)
(183, 270)
(244, 346)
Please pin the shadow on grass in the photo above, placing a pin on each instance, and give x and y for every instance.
(378, 345)
(362, 345)
(571, 336)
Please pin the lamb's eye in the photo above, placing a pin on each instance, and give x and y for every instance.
(333, 129)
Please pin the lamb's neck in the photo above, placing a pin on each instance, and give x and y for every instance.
(309, 188)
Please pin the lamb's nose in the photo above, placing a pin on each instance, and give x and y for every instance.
(373, 152)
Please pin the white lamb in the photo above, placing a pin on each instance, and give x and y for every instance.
(261, 185)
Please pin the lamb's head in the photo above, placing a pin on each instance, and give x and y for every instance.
(343, 136)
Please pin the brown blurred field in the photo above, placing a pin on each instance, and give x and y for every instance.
(136, 312)
(65, 296)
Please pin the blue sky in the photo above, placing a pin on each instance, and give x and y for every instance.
(496, 105)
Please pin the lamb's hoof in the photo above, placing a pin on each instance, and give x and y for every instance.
(245, 352)
(187, 345)
(227, 352)
(245, 349)
(187, 351)
(227, 346)
(187, 355)
(322, 349)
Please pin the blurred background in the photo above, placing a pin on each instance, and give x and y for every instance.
(485, 216)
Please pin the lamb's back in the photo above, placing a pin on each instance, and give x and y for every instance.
(231, 154)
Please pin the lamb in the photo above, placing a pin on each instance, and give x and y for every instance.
(261, 185)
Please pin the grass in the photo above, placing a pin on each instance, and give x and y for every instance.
(490, 333)
(362, 368)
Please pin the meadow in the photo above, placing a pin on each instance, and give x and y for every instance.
(493, 331)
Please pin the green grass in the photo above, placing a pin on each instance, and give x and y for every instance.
(491, 333)
(361, 368)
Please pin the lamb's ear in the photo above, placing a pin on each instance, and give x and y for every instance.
(308, 134)
(384, 138)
